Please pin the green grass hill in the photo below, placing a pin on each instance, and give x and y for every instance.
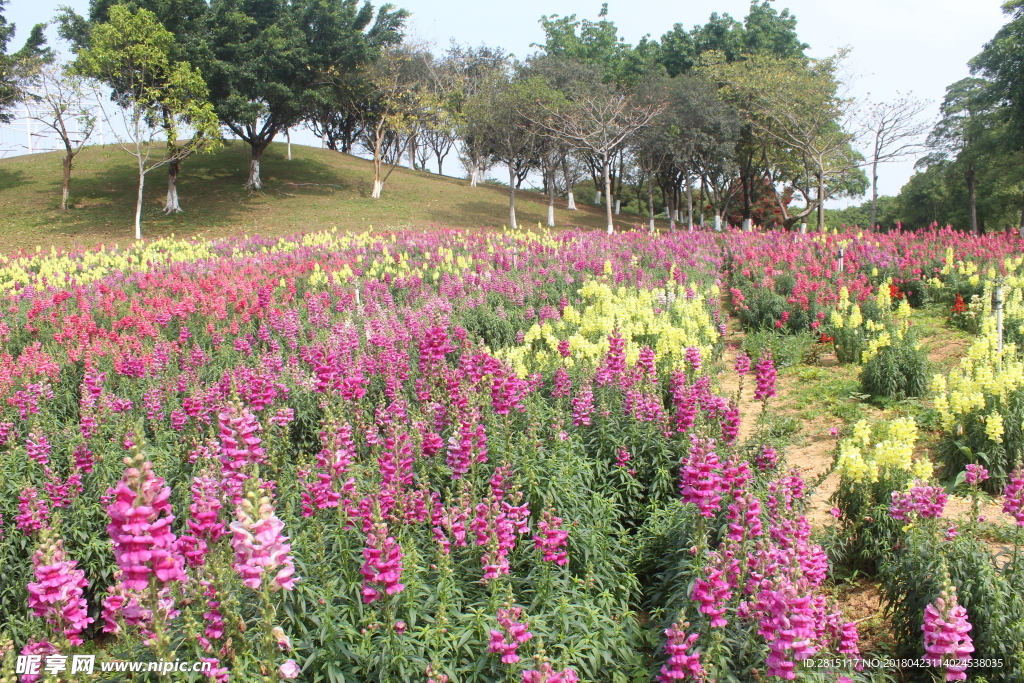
(317, 189)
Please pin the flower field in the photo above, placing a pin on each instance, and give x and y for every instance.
(454, 456)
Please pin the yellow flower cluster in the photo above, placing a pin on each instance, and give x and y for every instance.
(983, 373)
(862, 458)
(664, 319)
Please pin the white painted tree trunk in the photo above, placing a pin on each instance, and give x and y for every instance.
(551, 216)
(652, 226)
(618, 206)
(378, 187)
(474, 174)
(689, 206)
(254, 182)
(138, 201)
(748, 225)
(597, 198)
(512, 198)
(288, 137)
(172, 205)
(718, 223)
(572, 202)
(803, 228)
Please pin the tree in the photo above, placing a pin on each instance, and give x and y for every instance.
(59, 97)
(597, 119)
(1000, 62)
(891, 130)
(764, 31)
(15, 67)
(796, 104)
(158, 97)
(186, 20)
(270, 58)
(398, 104)
(965, 114)
(497, 117)
(474, 70)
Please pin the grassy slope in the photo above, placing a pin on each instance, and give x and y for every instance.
(316, 189)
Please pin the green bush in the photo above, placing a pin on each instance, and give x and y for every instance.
(897, 371)
(786, 349)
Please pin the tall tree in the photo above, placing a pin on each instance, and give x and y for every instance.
(159, 97)
(798, 105)
(474, 70)
(965, 115)
(185, 20)
(1000, 62)
(268, 56)
(59, 96)
(891, 130)
(598, 119)
(399, 102)
(14, 68)
(498, 117)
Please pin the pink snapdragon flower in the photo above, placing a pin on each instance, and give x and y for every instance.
(513, 633)
(927, 501)
(383, 564)
(261, 549)
(56, 594)
(33, 511)
(552, 538)
(681, 666)
(140, 527)
(764, 373)
(700, 482)
(975, 474)
(546, 674)
(1013, 504)
(945, 635)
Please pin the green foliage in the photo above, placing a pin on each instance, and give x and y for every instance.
(786, 349)
(897, 371)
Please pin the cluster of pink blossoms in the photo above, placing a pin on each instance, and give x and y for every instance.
(240, 447)
(33, 511)
(552, 538)
(680, 665)
(513, 633)
(764, 374)
(945, 635)
(140, 527)
(260, 547)
(383, 564)
(56, 594)
(547, 674)
(927, 501)
(1013, 503)
(975, 474)
(700, 482)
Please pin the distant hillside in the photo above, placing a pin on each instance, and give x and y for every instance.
(317, 189)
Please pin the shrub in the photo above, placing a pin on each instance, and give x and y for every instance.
(897, 371)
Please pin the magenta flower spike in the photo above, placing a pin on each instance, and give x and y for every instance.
(56, 594)
(261, 549)
(945, 630)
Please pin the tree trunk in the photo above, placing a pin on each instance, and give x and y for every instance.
(65, 189)
(821, 202)
(512, 197)
(138, 201)
(618, 206)
(606, 170)
(597, 197)
(172, 205)
(551, 197)
(571, 199)
(972, 199)
(474, 172)
(650, 199)
(874, 193)
(255, 182)
(689, 205)
(288, 137)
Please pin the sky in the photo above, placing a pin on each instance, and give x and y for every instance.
(897, 46)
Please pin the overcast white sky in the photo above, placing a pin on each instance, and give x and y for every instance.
(917, 46)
